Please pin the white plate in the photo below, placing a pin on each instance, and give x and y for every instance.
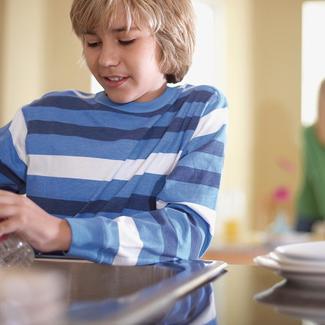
(297, 263)
(305, 280)
(269, 262)
(306, 277)
(303, 251)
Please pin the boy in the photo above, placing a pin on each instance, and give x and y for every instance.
(129, 175)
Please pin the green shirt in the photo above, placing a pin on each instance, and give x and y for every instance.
(311, 198)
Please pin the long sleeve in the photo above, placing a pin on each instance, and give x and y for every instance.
(13, 155)
(181, 226)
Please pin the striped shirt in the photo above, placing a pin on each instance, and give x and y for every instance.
(137, 182)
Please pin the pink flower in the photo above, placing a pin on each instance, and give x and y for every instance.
(281, 194)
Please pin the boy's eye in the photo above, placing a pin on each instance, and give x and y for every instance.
(126, 42)
(92, 44)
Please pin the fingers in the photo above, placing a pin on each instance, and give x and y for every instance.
(19, 202)
(6, 211)
(7, 194)
(8, 205)
(11, 212)
(7, 197)
(3, 191)
(8, 226)
(21, 215)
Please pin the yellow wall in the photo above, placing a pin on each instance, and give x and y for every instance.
(237, 176)
(63, 67)
(276, 103)
(264, 78)
(33, 57)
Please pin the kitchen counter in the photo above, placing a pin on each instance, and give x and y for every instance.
(182, 293)
(103, 294)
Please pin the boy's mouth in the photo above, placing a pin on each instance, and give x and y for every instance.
(115, 78)
(115, 81)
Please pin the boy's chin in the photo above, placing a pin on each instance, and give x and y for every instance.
(119, 99)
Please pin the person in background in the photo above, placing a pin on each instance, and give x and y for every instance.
(129, 175)
(310, 201)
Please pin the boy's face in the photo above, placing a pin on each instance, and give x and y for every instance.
(125, 63)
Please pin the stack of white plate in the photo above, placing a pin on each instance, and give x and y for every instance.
(303, 263)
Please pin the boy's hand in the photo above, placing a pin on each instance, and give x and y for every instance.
(41, 230)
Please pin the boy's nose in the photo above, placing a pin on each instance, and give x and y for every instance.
(108, 57)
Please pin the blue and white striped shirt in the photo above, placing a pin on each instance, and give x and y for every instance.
(137, 182)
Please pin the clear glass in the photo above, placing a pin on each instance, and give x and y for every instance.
(14, 251)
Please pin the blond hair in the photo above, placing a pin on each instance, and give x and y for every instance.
(172, 22)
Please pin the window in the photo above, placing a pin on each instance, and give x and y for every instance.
(209, 58)
(313, 58)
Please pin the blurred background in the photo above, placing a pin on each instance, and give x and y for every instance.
(266, 56)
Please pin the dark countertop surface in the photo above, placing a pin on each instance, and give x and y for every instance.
(242, 295)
